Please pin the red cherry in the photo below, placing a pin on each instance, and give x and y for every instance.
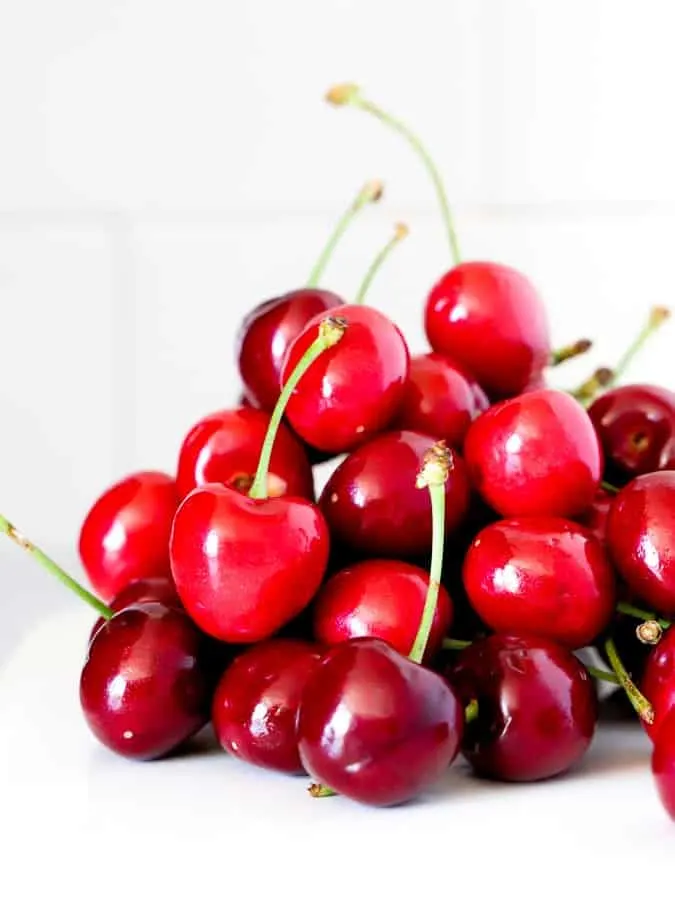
(596, 516)
(380, 599)
(145, 687)
(144, 590)
(375, 726)
(658, 681)
(663, 764)
(244, 567)
(256, 703)
(537, 707)
(536, 454)
(479, 305)
(224, 448)
(641, 538)
(544, 576)
(440, 399)
(125, 535)
(371, 503)
(353, 391)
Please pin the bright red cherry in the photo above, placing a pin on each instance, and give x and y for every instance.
(658, 681)
(375, 726)
(144, 590)
(146, 684)
(371, 503)
(641, 538)
(224, 448)
(542, 576)
(663, 764)
(440, 399)
(125, 535)
(256, 703)
(536, 454)
(537, 707)
(382, 599)
(354, 390)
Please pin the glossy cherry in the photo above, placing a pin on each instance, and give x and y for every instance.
(146, 684)
(641, 539)
(537, 707)
(440, 399)
(125, 535)
(144, 590)
(596, 516)
(636, 427)
(536, 454)
(663, 764)
(225, 446)
(544, 576)
(256, 703)
(371, 503)
(382, 599)
(375, 726)
(658, 681)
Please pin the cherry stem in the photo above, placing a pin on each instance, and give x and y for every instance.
(350, 95)
(639, 702)
(54, 568)
(637, 613)
(400, 232)
(571, 351)
(331, 331)
(610, 488)
(455, 644)
(471, 712)
(320, 790)
(603, 675)
(369, 193)
(436, 467)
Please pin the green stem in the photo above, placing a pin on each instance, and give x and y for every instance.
(320, 790)
(455, 644)
(400, 232)
(471, 712)
(571, 351)
(350, 95)
(331, 331)
(610, 488)
(369, 193)
(639, 702)
(603, 675)
(657, 316)
(636, 613)
(55, 569)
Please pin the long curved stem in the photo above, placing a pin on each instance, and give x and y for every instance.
(400, 232)
(639, 702)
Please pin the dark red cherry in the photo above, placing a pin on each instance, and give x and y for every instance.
(636, 427)
(256, 703)
(382, 599)
(224, 448)
(440, 399)
(537, 707)
(353, 390)
(663, 764)
(641, 538)
(536, 454)
(658, 681)
(125, 535)
(543, 576)
(490, 318)
(375, 726)
(146, 683)
(144, 590)
(266, 334)
(596, 516)
(371, 502)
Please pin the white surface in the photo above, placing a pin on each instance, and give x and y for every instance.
(205, 824)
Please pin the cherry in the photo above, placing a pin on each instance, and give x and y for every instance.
(375, 726)
(125, 535)
(545, 576)
(658, 681)
(225, 446)
(144, 590)
(256, 703)
(440, 399)
(536, 454)
(537, 707)
(663, 764)
(371, 503)
(641, 537)
(595, 517)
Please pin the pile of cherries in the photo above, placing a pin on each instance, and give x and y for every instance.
(478, 530)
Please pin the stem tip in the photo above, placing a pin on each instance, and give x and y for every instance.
(436, 466)
(342, 94)
(320, 790)
(649, 633)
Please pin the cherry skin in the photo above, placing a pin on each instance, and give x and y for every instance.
(146, 685)
(545, 576)
(244, 568)
(440, 399)
(636, 427)
(256, 703)
(381, 599)
(536, 454)
(596, 516)
(224, 448)
(375, 726)
(663, 764)
(658, 681)
(371, 502)
(490, 319)
(266, 334)
(537, 707)
(353, 390)
(125, 535)
(641, 539)
(144, 590)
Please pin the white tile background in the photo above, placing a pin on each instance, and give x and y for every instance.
(165, 165)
